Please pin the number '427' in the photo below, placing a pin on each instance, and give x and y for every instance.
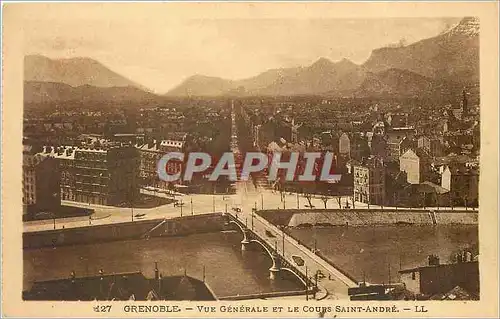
(102, 308)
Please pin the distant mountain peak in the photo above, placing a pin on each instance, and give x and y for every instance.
(74, 71)
(346, 62)
(450, 56)
(35, 56)
(468, 26)
(202, 85)
(322, 62)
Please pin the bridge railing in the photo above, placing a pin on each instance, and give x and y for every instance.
(289, 264)
(298, 243)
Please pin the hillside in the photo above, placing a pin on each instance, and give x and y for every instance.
(74, 72)
(403, 83)
(44, 92)
(452, 55)
(322, 76)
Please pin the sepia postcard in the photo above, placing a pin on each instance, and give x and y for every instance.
(250, 159)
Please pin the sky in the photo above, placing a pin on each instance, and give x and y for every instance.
(158, 50)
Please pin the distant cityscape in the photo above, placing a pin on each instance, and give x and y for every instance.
(405, 139)
(388, 155)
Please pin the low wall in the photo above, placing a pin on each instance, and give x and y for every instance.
(122, 231)
(275, 294)
(364, 217)
(457, 218)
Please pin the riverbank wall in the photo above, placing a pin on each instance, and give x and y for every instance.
(143, 229)
(368, 217)
(265, 295)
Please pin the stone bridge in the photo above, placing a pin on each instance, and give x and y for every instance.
(317, 275)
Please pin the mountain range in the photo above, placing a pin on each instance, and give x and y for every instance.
(450, 57)
(83, 79)
(444, 62)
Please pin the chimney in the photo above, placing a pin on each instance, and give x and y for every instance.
(433, 260)
(156, 270)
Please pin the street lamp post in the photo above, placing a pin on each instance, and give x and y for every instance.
(181, 206)
(284, 198)
(262, 200)
(192, 211)
(307, 293)
(283, 241)
(298, 201)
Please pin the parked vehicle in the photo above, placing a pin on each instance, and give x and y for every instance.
(298, 260)
(269, 234)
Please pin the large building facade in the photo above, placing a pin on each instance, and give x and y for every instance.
(41, 179)
(104, 176)
(395, 141)
(463, 184)
(416, 165)
(151, 153)
(369, 181)
(431, 145)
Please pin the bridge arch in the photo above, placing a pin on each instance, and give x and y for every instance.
(269, 252)
(263, 246)
(296, 275)
(237, 224)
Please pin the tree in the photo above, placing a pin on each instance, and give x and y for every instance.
(325, 199)
(308, 196)
(339, 201)
(309, 189)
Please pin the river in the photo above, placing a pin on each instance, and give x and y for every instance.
(378, 253)
(375, 253)
(228, 271)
